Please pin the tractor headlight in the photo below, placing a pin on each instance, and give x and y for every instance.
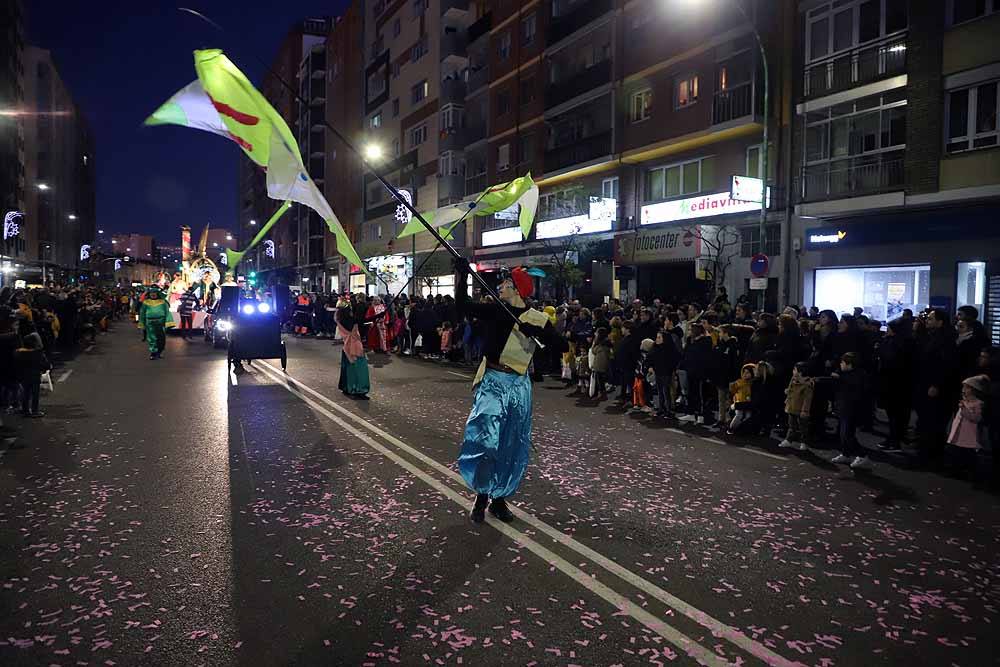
(248, 309)
(224, 325)
(263, 307)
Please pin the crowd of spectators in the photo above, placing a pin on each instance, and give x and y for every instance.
(792, 374)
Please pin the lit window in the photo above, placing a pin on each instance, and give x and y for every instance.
(418, 135)
(686, 91)
(419, 92)
(642, 105)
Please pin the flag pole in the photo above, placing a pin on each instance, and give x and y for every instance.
(381, 179)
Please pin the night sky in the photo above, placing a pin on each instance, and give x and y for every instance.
(120, 60)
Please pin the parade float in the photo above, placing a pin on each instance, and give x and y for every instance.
(198, 272)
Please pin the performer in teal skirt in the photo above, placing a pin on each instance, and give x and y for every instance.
(497, 442)
(354, 380)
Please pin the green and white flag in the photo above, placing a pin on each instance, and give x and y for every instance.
(224, 102)
(493, 200)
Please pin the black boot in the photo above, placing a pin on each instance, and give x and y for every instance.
(478, 513)
(499, 509)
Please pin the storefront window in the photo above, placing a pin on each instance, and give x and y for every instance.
(971, 285)
(443, 285)
(882, 291)
(358, 282)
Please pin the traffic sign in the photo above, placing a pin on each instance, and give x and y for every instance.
(759, 265)
(758, 283)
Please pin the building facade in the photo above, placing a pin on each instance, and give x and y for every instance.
(897, 159)
(12, 178)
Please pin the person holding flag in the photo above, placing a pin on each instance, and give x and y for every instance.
(497, 442)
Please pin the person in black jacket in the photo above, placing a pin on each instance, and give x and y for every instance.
(188, 302)
(10, 340)
(896, 357)
(665, 358)
(30, 362)
(936, 383)
(626, 354)
(852, 399)
(765, 338)
(698, 363)
(727, 365)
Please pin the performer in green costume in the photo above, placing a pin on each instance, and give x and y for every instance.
(155, 318)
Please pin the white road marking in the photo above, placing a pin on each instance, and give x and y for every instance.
(717, 627)
(65, 376)
(767, 454)
(668, 632)
(88, 348)
(461, 375)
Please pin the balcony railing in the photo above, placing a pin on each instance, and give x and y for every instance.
(452, 91)
(732, 103)
(864, 64)
(578, 152)
(561, 27)
(481, 27)
(864, 174)
(475, 184)
(478, 78)
(453, 47)
(453, 139)
(579, 83)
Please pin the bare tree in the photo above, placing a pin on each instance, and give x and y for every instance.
(719, 247)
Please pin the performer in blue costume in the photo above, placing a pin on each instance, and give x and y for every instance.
(497, 441)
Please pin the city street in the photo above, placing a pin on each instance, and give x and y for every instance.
(171, 513)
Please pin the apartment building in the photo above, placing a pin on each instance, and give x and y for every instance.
(897, 166)
(416, 61)
(633, 118)
(11, 130)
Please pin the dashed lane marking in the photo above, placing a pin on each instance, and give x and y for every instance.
(65, 376)
(718, 628)
(461, 375)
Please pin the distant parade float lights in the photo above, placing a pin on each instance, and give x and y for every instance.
(11, 224)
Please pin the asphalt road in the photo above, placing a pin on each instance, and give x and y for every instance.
(171, 513)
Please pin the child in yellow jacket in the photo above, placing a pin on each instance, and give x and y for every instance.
(798, 402)
(739, 392)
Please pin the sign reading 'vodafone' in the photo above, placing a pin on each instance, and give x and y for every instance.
(695, 207)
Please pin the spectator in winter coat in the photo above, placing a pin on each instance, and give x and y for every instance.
(967, 434)
(896, 358)
(740, 392)
(601, 366)
(798, 403)
(726, 366)
(623, 361)
(766, 394)
(852, 399)
(29, 363)
(697, 363)
(936, 383)
(969, 345)
(665, 358)
(765, 338)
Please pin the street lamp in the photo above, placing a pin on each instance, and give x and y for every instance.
(100, 231)
(253, 222)
(373, 152)
(71, 216)
(43, 187)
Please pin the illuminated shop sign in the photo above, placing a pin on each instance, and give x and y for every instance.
(600, 218)
(695, 207)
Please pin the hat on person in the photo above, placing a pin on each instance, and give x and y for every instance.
(979, 383)
(646, 345)
(34, 342)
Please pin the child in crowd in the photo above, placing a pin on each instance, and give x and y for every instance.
(665, 357)
(766, 392)
(444, 333)
(798, 400)
(600, 364)
(740, 393)
(582, 368)
(643, 372)
(30, 362)
(852, 399)
(967, 434)
(568, 360)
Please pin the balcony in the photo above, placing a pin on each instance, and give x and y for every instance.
(732, 103)
(476, 184)
(454, 9)
(561, 27)
(864, 174)
(478, 78)
(451, 186)
(864, 64)
(453, 49)
(481, 27)
(453, 139)
(452, 91)
(578, 84)
(578, 152)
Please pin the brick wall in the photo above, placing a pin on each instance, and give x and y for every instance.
(925, 95)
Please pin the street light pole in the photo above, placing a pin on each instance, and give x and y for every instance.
(764, 147)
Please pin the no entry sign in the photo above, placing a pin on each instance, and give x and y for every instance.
(759, 265)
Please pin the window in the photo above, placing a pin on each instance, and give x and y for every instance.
(686, 91)
(395, 69)
(503, 48)
(754, 162)
(676, 180)
(971, 282)
(960, 11)
(642, 105)
(750, 241)
(395, 108)
(375, 121)
(419, 49)
(844, 24)
(528, 28)
(450, 164)
(971, 117)
(395, 147)
(868, 125)
(396, 28)
(609, 188)
(418, 135)
(503, 102)
(526, 148)
(527, 90)
(376, 84)
(452, 118)
(419, 7)
(503, 157)
(419, 92)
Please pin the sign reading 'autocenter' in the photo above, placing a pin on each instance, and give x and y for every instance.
(695, 207)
